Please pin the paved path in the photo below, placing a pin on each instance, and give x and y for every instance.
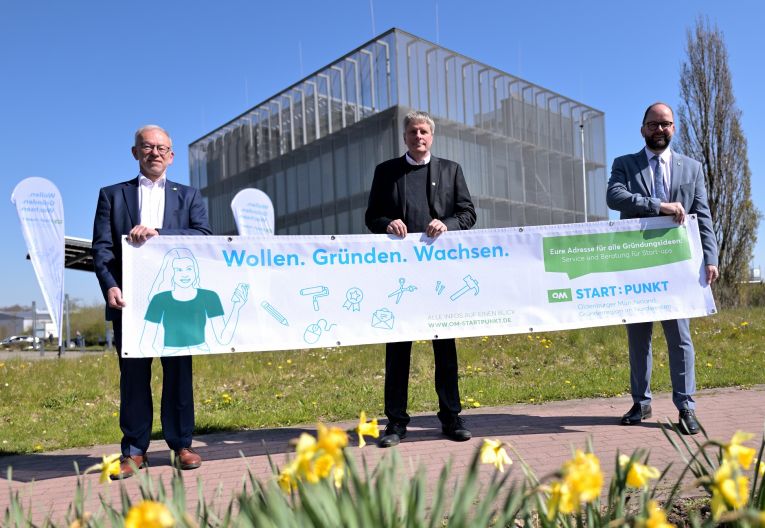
(543, 434)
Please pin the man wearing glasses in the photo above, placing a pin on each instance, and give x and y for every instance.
(148, 205)
(659, 181)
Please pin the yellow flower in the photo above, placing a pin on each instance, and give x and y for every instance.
(323, 466)
(305, 451)
(639, 474)
(149, 514)
(730, 489)
(82, 522)
(366, 428)
(286, 479)
(332, 440)
(761, 468)
(318, 459)
(339, 474)
(741, 454)
(561, 500)
(583, 476)
(582, 481)
(656, 517)
(493, 452)
(110, 465)
(744, 323)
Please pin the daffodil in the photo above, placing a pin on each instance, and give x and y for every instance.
(638, 474)
(332, 440)
(322, 467)
(656, 517)
(286, 479)
(741, 454)
(82, 522)
(730, 489)
(493, 452)
(339, 473)
(582, 482)
(304, 454)
(149, 514)
(583, 475)
(561, 500)
(110, 465)
(366, 428)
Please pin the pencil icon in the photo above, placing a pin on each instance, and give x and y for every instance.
(273, 312)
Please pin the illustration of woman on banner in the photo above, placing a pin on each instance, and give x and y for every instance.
(183, 308)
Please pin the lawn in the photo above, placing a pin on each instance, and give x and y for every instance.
(55, 404)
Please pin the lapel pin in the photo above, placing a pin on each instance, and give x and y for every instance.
(175, 188)
(433, 184)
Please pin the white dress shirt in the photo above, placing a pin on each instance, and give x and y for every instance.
(411, 161)
(151, 201)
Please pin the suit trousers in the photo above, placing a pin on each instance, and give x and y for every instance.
(681, 361)
(397, 360)
(136, 408)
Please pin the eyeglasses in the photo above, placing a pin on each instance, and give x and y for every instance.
(653, 125)
(162, 150)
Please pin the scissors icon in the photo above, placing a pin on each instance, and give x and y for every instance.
(401, 289)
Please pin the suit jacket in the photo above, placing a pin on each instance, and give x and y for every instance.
(629, 192)
(118, 212)
(448, 195)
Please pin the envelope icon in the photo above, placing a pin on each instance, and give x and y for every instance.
(383, 319)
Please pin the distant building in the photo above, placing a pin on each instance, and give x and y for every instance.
(313, 147)
(24, 321)
(10, 325)
(755, 274)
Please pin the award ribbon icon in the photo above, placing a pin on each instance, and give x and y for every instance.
(353, 298)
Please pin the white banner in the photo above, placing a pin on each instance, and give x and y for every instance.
(253, 213)
(192, 295)
(41, 213)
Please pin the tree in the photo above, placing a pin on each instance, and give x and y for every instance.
(710, 131)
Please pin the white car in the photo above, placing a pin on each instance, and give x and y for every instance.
(23, 339)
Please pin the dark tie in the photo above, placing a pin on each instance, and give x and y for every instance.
(658, 181)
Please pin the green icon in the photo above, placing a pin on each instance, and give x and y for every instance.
(556, 296)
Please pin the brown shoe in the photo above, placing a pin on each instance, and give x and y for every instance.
(128, 469)
(187, 458)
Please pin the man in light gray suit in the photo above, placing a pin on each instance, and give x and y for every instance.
(659, 181)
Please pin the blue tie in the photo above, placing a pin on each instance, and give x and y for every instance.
(658, 181)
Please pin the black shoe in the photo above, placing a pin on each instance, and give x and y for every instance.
(456, 430)
(636, 414)
(393, 434)
(688, 423)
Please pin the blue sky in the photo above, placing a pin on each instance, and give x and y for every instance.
(79, 77)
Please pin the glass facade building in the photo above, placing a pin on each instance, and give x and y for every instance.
(314, 146)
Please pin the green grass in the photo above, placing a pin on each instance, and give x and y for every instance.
(55, 404)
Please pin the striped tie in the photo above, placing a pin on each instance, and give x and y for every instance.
(658, 180)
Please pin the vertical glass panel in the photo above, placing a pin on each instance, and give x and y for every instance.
(292, 190)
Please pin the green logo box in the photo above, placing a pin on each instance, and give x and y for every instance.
(562, 295)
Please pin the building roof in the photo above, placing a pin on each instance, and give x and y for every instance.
(77, 254)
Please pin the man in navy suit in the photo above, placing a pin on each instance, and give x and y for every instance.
(420, 193)
(659, 181)
(146, 206)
